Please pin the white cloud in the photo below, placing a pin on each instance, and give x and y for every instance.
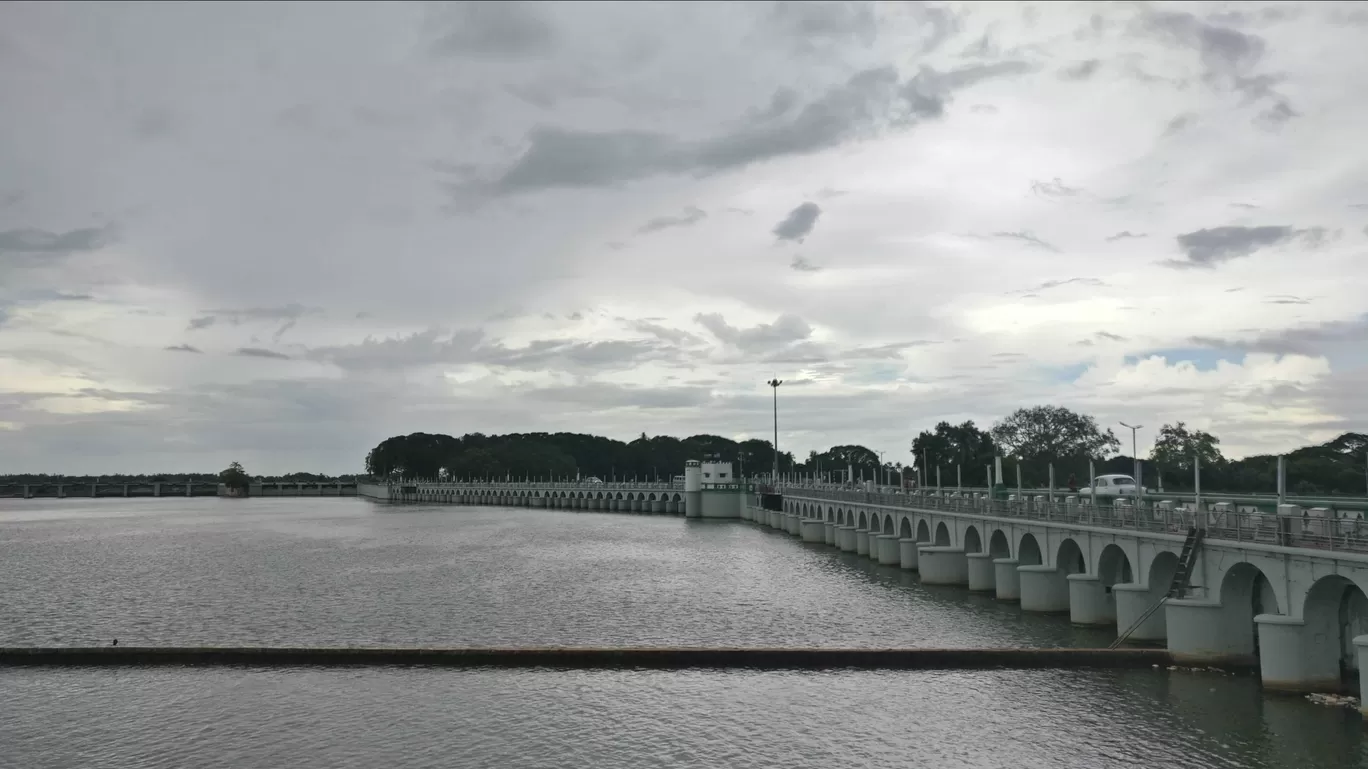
(305, 183)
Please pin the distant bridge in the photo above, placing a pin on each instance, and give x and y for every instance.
(65, 489)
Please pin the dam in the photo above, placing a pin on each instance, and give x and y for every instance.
(1216, 582)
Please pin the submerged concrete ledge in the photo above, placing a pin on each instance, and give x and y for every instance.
(587, 658)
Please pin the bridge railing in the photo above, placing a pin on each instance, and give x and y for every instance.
(533, 485)
(1314, 528)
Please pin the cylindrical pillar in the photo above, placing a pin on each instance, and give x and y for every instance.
(982, 573)
(1089, 601)
(1006, 579)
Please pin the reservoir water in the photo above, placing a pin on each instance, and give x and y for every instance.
(346, 571)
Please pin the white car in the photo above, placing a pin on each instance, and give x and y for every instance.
(593, 480)
(1111, 486)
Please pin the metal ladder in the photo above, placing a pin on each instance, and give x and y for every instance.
(1182, 581)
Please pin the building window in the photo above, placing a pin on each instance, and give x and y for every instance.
(707, 475)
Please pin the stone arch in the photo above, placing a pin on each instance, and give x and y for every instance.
(1246, 593)
(888, 524)
(831, 514)
(923, 531)
(1335, 610)
(1028, 551)
(1114, 566)
(1161, 570)
(677, 498)
(1069, 558)
(863, 521)
(973, 543)
(998, 546)
(942, 534)
(905, 528)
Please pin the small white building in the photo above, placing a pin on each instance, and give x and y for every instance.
(717, 473)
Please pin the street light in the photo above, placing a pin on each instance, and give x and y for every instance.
(1135, 457)
(774, 383)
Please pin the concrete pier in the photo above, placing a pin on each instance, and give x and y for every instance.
(1198, 634)
(1132, 601)
(1293, 658)
(1043, 589)
(1090, 603)
(845, 538)
(942, 565)
(888, 550)
(1006, 579)
(907, 553)
(814, 530)
(982, 573)
(861, 542)
(829, 533)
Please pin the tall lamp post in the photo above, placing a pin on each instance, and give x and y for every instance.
(774, 383)
(1135, 457)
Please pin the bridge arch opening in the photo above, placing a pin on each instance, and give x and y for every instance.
(1335, 611)
(830, 516)
(973, 543)
(905, 528)
(1161, 571)
(864, 522)
(998, 546)
(1028, 551)
(1245, 594)
(923, 531)
(888, 524)
(942, 534)
(1069, 558)
(1114, 567)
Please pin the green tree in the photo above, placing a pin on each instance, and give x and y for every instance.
(1042, 433)
(235, 478)
(1176, 446)
(950, 445)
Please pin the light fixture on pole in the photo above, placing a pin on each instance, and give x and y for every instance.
(1135, 457)
(774, 383)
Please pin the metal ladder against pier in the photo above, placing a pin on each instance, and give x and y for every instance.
(1182, 581)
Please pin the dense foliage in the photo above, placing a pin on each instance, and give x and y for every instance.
(235, 477)
(561, 455)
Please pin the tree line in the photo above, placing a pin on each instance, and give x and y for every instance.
(1036, 438)
(116, 478)
(1032, 439)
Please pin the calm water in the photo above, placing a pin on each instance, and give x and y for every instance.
(345, 571)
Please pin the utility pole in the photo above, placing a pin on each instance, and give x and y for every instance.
(1135, 455)
(774, 383)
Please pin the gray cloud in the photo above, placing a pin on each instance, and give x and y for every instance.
(766, 337)
(258, 352)
(815, 24)
(289, 315)
(1110, 337)
(1053, 189)
(868, 101)
(1090, 282)
(799, 222)
(609, 396)
(491, 28)
(1080, 70)
(439, 347)
(183, 348)
(1299, 340)
(30, 241)
(1027, 238)
(1207, 248)
(801, 264)
(1125, 235)
(1228, 57)
(1285, 299)
(692, 215)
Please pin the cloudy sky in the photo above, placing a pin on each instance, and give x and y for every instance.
(280, 233)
